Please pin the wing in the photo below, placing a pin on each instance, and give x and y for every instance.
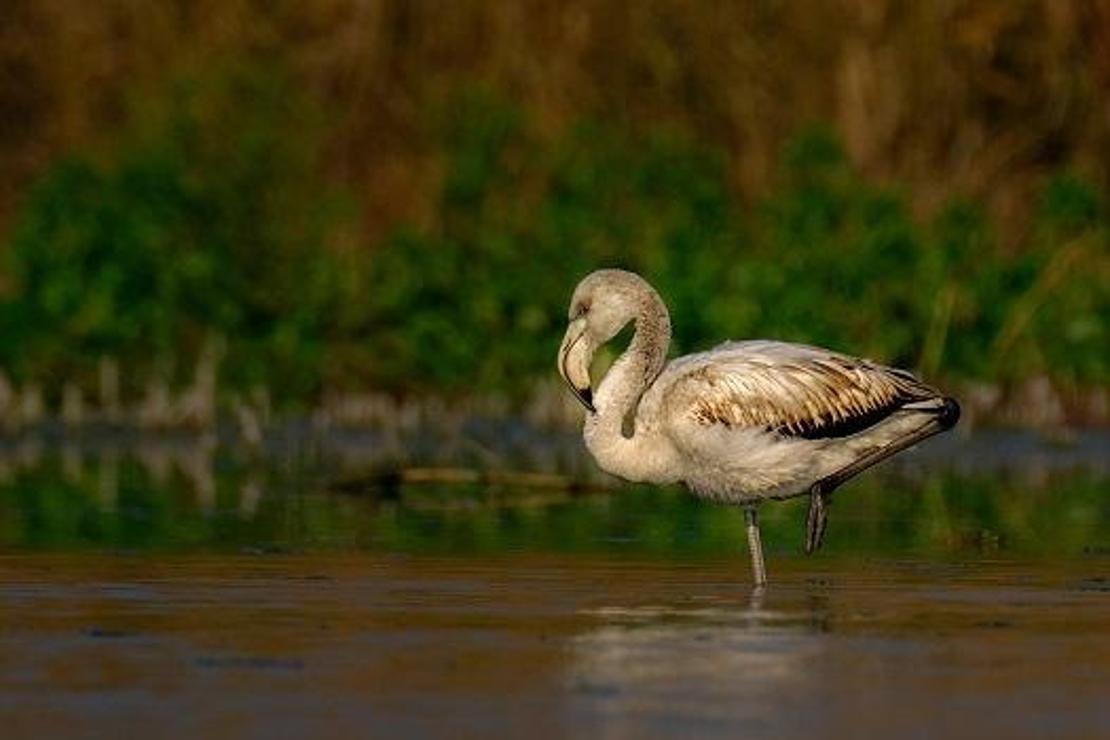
(792, 389)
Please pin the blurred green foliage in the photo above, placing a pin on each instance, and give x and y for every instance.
(209, 224)
(190, 233)
(826, 258)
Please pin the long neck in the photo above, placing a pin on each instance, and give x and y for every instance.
(634, 457)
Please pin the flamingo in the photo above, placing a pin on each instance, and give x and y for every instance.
(742, 423)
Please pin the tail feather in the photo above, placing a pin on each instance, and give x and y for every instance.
(949, 413)
(943, 412)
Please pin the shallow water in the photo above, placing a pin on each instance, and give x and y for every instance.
(551, 645)
(258, 600)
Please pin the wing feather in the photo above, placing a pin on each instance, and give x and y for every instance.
(794, 390)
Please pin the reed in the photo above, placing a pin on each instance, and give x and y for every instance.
(977, 97)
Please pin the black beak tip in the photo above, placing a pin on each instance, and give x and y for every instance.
(587, 397)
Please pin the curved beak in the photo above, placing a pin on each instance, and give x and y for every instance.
(574, 363)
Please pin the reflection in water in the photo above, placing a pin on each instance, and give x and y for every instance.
(194, 494)
(713, 661)
(705, 664)
(996, 652)
(698, 670)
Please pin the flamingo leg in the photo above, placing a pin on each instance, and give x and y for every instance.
(817, 518)
(755, 546)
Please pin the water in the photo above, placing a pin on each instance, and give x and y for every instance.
(214, 594)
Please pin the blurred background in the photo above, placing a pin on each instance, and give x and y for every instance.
(252, 251)
(282, 443)
(283, 208)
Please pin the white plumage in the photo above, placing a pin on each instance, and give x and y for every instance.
(741, 423)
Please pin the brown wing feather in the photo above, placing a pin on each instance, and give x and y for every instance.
(808, 395)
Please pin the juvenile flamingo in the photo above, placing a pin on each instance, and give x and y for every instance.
(742, 423)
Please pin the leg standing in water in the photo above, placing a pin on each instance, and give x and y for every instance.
(755, 545)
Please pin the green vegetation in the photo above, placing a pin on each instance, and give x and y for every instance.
(825, 258)
(208, 226)
(186, 236)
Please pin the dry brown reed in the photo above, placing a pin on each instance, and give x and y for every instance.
(979, 97)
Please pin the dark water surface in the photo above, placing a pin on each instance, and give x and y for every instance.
(236, 598)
